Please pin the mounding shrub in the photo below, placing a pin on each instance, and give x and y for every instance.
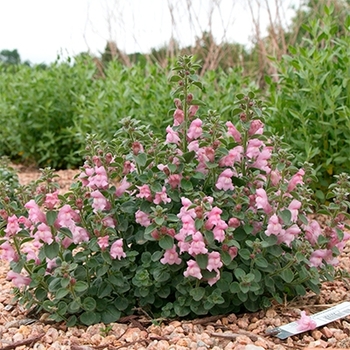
(211, 219)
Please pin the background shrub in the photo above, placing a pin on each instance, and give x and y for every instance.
(310, 102)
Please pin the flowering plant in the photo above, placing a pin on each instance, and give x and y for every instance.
(212, 220)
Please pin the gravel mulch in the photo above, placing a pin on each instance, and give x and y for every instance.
(248, 331)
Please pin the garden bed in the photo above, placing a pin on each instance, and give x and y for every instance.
(21, 330)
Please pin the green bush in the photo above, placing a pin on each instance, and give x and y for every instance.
(47, 113)
(37, 110)
(310, 102)
(210, 219)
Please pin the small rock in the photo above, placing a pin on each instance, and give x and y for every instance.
(316, 334)
(271, 313)
(17, 337)
(253, 347)
(327, 332)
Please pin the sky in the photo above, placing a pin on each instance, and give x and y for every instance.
(42, 29)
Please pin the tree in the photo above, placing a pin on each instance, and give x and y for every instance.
(9, 57)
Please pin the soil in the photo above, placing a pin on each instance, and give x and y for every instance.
(241, 332)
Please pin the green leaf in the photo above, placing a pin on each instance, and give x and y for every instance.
(186, 185)
(202, 260)
(286, 216)
(197, 293)
(287, 275)
(81, 286)
(239, 273)
(189, 156)
(61, 293)
(51, 250)
(89, 318)
(166, 242)
(141, 159)
(234, 287)
(175, 79)
(51, 217)
(89, 304)
(121, 303)
(244, 253)
(128, 207)
(260, 261)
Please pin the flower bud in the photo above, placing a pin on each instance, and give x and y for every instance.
(234, 222)
(155, 234)
(178, 103)
(136, 148)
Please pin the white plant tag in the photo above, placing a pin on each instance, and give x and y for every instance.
(321, 318)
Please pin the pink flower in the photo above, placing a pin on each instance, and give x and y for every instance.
(7, 252)
(35, 215)
(171, 257)
(99, 179)
(234, 155)
(193, 270)
(233, 251)
(306, 323)
(213, 218)
(275, 177)
(289, 235)
(192, 110)
(253, 149)
(142, 218)
(193, 146)
(262, 202)
(121, 187)
(214, 261)
(174, 180)
(17, 279)
(128, 167)
(12, 226)
(224, 181)
(103, 242)
(233, 132)
(67, 217)
(117, 251)
(195, 129)
(197, 246)
(144, 192)
(99, 201)
(274, 227)
(219, 230)
(213, 280)
(178, 117)
(43, 234)
(261, 160)
(172, 136)
(295, 180)
(294, 207)
(51, 199)
(312, 231)
(31, 250)
(161, 197)
(79, 234)
(318, 255)
(109, 222)
(50, 264)
(256, 127)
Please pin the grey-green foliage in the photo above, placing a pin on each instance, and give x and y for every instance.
(310, 103)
